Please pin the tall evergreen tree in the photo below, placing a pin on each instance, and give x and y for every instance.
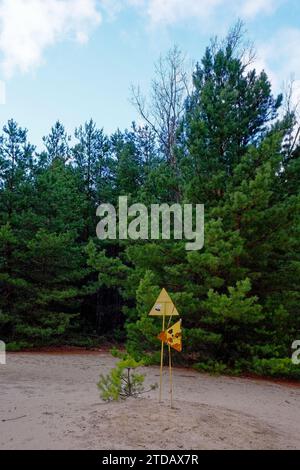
(229, 109)
(57, 143)
(91, 156)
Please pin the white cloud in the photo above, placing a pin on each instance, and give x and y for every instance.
(251, 8)
(280, 59)
(171, 11)
(28, 27)
(112, 8)
(166, 12)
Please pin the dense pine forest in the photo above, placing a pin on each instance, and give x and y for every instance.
(215, 135)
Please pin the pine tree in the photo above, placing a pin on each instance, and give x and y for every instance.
(91, 156)
(57, 143)
(230, 108)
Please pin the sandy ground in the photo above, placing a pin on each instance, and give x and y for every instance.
(50, 401)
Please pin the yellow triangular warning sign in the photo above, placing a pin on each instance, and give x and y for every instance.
(163, 305)
(172, 336)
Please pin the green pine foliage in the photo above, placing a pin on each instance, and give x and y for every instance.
(236, 152)
(122, 382)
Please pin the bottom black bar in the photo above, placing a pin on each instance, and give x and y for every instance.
(135, 459)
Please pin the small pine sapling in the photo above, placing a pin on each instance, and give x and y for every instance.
(122, 382)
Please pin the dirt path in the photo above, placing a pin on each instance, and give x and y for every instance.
(50, 401)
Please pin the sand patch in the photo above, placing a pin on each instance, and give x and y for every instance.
(50, 401)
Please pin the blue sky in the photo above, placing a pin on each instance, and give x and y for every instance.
(76, 59)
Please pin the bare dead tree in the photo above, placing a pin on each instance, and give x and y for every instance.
(239, 45)
(292, 108)
(163, 109)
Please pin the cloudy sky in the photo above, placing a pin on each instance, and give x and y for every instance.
(76, 59)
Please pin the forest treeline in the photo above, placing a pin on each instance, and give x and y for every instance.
(216, 136)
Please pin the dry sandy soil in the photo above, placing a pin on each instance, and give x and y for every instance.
(50, 401)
